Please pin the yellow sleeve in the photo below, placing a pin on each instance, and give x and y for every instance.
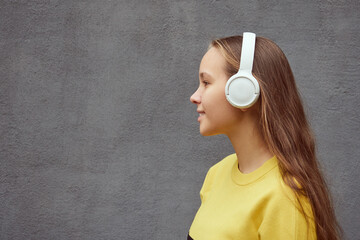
(283, 220)
(205, 189)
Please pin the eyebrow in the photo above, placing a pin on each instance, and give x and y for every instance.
(203, 74)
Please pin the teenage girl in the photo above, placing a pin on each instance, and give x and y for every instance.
(271, 187)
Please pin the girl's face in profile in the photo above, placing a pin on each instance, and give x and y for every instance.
(216, 115)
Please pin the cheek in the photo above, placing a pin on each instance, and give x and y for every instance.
(227, 113)
(222, 110)
(221, 103)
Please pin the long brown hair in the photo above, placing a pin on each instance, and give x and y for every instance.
(285, 128)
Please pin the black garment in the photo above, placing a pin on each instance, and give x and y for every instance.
(189, 238)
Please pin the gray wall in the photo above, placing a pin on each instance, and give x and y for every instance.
(98, 137)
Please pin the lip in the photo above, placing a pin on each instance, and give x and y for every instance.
(201, 114)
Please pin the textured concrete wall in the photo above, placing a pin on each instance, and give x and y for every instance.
(98, 137)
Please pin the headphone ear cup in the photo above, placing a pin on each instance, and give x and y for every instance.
(242, 91)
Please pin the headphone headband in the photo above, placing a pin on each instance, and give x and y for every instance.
(247, 51)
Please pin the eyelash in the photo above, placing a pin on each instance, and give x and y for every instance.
(205, 83)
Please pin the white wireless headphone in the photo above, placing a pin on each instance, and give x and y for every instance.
(242, 89)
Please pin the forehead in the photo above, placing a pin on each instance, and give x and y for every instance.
(213, 62)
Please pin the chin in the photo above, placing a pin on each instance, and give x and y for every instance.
(207, 132)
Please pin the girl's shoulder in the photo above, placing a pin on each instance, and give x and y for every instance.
(226, 162)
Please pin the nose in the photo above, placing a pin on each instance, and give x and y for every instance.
(196, 97)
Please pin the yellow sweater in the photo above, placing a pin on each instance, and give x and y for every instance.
(250, 206)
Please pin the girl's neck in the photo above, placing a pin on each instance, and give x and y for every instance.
(250, 148)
